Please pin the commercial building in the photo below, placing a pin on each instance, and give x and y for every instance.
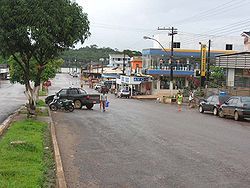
(156, 61)
(237, 65)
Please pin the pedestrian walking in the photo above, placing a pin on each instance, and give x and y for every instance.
(103, 100)
(190, 99)
(179, 100)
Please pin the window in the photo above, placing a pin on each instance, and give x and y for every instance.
(209, 99)
(230, 101)
(119, 59)
(63, 92)
(72, 91)
(235, 101)
(229, 47)
(82, 91)
(215, 99)
(177, 45)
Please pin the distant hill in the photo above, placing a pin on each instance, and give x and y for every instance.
(91, 54)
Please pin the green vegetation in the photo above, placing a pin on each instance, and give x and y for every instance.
(40, 30)
(91, 54)
(40, 103)
(42, 92)
(26, 157)
(217, 77)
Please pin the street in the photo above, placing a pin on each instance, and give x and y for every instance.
(148, 144)
(11, 98)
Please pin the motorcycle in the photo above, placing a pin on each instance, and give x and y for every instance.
(62, 104)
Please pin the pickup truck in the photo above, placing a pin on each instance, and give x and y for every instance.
(79, 96)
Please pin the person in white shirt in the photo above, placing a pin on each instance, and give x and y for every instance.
(103, 100)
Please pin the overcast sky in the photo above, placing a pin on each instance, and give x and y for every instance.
(122, 24)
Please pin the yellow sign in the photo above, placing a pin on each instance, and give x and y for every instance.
(203, 59)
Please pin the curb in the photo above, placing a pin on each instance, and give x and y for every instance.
(8, 120)
(60, 177)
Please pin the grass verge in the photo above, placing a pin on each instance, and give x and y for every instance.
(43, 93)
(40, 103)
(26, 156)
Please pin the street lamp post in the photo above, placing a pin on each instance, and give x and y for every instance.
(171, 62)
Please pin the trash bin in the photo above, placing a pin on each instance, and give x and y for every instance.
(222, 93)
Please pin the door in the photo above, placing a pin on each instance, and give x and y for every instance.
(207, 104)
(232, 107)
(227, 106)
(213, 102)
(63, 93)
(72, 94)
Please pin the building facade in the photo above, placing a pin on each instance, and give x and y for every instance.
(117, 60)
(186, 60)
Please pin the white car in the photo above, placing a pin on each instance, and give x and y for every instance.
(123, 93)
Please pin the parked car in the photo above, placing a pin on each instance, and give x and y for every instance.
(212, 103)
(123, 93)
(79, 96)
(236, 107)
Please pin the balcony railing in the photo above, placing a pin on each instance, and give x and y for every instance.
(179, 68)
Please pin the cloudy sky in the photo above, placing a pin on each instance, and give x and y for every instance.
(122, 24)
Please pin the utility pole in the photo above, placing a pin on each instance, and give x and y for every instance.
(172, 32)
(208, 60)
(123, 67)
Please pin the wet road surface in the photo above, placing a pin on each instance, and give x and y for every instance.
(11, 98)
(147, 144)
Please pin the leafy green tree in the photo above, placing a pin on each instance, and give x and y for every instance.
(36, 32)
(217, 76)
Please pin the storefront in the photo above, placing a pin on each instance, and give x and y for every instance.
(139, 84)
(161, 80)
(237, 69)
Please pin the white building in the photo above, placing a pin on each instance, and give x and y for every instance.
(192, 42)
(117, 60)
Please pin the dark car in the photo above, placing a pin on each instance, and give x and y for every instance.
(79, 96)
(212, 103)
(237, 107)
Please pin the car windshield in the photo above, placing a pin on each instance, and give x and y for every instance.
(82, 91)
(245, 99)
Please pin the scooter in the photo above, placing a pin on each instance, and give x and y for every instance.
(61, 104)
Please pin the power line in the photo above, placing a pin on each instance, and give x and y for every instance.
(214, 11)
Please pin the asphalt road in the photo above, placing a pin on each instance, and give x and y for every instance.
(11, 98)
(147, 144)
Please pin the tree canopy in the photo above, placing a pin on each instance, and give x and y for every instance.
(91, 53)
(37, 31)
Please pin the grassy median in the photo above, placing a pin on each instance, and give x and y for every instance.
(26, 156)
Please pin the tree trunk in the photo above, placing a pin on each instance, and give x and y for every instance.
(31, 96)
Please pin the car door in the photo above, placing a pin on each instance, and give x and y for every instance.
(207, 103)
(232, 106)
(72, 94)
(213, 102)
(63, 94)
(227, 106)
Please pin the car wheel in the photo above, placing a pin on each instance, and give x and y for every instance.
(89, 106)
(215, 111)
(53, 107)
(78, 104)
(201, 109)
(221, 114)
(236, 116)
(71, 108)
